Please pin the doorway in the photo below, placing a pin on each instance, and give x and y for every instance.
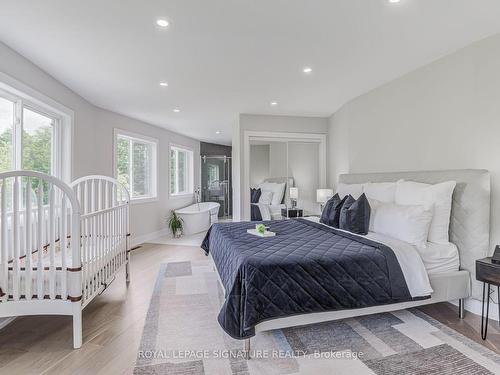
(216, 183)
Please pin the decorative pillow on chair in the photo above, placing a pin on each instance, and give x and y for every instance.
(355, 215)
(255, 195)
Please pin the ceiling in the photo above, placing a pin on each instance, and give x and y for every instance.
(225, 57)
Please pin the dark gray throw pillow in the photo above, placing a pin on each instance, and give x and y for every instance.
(255, 195)
(355, 215)
(325, 215)
(334, 218)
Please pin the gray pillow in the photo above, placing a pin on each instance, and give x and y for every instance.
(334, 218)
(355, 215)
(325, 215)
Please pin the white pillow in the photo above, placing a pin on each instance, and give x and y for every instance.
(266, 197)
(275, 188)
(439, 196)
(356, 190)
(381, 191)
(406, 223)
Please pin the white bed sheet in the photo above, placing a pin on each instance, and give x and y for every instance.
(270, 211)
(440, 258)
(410, 261)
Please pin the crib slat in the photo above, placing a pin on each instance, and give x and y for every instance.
(63, 235)
(92, 195)
(99, 234)
(39, 235)
(4, 252)
(28, 243)
(106, 194)
(94, 254)
(15, 227)
(52, 245)
(99, 196)
(108, 240)
(84, 258)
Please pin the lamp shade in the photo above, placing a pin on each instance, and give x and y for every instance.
(322, 195)
(294, 193)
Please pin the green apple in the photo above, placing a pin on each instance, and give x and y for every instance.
(261, 228)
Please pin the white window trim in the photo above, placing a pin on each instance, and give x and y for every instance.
(62, 163)
(154, 158)
(181, 148)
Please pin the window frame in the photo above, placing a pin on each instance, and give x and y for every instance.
(153, 197)
(190, 176)
(22, 102)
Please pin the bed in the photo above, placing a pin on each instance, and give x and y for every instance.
(264, 212)
(251, 268)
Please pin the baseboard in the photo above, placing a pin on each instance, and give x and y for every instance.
(137, 240)
(6, 321)
(474, 306)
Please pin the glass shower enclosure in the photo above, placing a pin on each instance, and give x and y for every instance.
(216, 183)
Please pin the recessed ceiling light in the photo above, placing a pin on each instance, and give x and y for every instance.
(274, 104)
(162, 22)
(164, 84)
(177, 110)
(218, 132)
(394, 1)
(307, 69)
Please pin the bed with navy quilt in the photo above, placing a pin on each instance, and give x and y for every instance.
(307, 267)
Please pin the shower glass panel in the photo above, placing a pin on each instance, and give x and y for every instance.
(216, 183)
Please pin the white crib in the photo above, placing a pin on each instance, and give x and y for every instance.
(60, 245)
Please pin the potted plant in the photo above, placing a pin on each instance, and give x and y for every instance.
(175, 225)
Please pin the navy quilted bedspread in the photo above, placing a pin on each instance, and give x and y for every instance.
(307, 267)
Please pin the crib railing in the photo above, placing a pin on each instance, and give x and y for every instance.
(39, 218)
(104, 247)
(104, 230)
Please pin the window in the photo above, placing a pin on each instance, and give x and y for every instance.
(135, 160)
(28, 136)
(181, 171)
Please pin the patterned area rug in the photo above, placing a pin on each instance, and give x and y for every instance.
(181, 336)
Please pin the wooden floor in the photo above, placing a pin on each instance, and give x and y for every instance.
(113, 325)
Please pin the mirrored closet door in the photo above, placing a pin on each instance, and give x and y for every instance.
(295, 161)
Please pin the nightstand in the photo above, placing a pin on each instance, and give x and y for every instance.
(288, 213)
(489, 273)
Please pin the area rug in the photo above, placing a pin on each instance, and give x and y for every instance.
(181, 336)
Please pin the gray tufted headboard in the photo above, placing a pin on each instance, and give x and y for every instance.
(470, 212)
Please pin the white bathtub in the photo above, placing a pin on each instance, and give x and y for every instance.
(198, 217)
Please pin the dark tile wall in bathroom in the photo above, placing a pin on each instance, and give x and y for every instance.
(212, 149)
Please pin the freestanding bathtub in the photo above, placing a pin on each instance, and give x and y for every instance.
(198, 217)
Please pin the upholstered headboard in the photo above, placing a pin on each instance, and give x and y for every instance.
(470, 212)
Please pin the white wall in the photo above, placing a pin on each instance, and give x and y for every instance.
(284, 124)
(259, 164)
(445, 115)
(93, 140)
(145, 218)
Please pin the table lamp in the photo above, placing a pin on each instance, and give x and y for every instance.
(294, 195)
(322, 196)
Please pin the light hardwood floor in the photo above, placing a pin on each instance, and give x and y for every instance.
(113, 325)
